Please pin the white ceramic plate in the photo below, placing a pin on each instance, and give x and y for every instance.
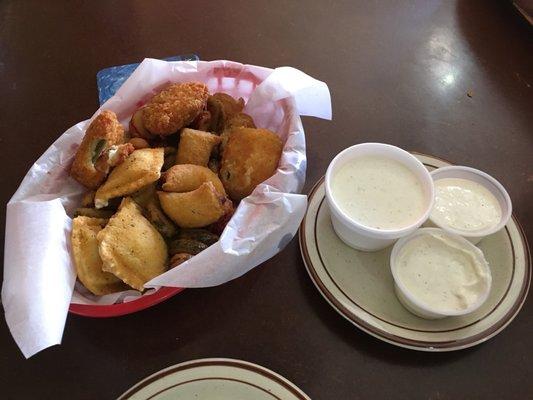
(360, 286)
(215, 379)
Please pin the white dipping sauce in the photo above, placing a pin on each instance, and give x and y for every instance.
(442, 272)
(465, 205)
(379, 192)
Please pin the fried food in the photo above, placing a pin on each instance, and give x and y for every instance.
(118, 154)
(144, 195)
(171, 173)
(137, 129)
(222, 108)
(230, 105)
(174, 107)
(131, 248)
(87, 259)
(88, 199)
(195, 147)
(214, 164)
(159, 220)
(170, 157)
(187, 177)
(103, 132)
(216, 121)
(93, 213)
(186, 245)
(179, 258)
(149, 202)
(141, 168)
(139, 143)
(114, 156)
(194, 209)
(202, 122)
(249, 157)
(201, 235)
(240, 120)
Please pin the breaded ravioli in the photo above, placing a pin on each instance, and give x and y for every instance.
(141, 168)
(187, 177)
(131, 248)
(87, 259)
(103, 132)
(194, 209)
(174, 107)
(195, 147)
(249, 157)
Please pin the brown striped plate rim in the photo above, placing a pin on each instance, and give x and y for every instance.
(216, 362)
(437, 346)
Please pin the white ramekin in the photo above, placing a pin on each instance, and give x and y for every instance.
(416, 306)
(488, 182)
(363, 237)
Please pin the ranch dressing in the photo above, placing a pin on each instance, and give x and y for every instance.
(379, 192)
(442, 273)
(465, 205)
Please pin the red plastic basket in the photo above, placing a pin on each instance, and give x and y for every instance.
(115, 310)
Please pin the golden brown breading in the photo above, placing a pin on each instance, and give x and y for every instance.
(137, 129)
(114, 156)
(230, 105)
(174, 107)
(214, 107)
(88, 199)
(139, 143)
(202, 122)
(240, 120)
(103, 132)
(249, 157)
(195, 147)
(187, 177)
(87, 259)
(194, 209)
(131, 248)
(222, 108)
(141, 168)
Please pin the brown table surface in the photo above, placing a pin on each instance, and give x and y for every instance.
(449, 78)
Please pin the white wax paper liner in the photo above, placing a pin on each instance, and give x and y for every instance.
(39, 278)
